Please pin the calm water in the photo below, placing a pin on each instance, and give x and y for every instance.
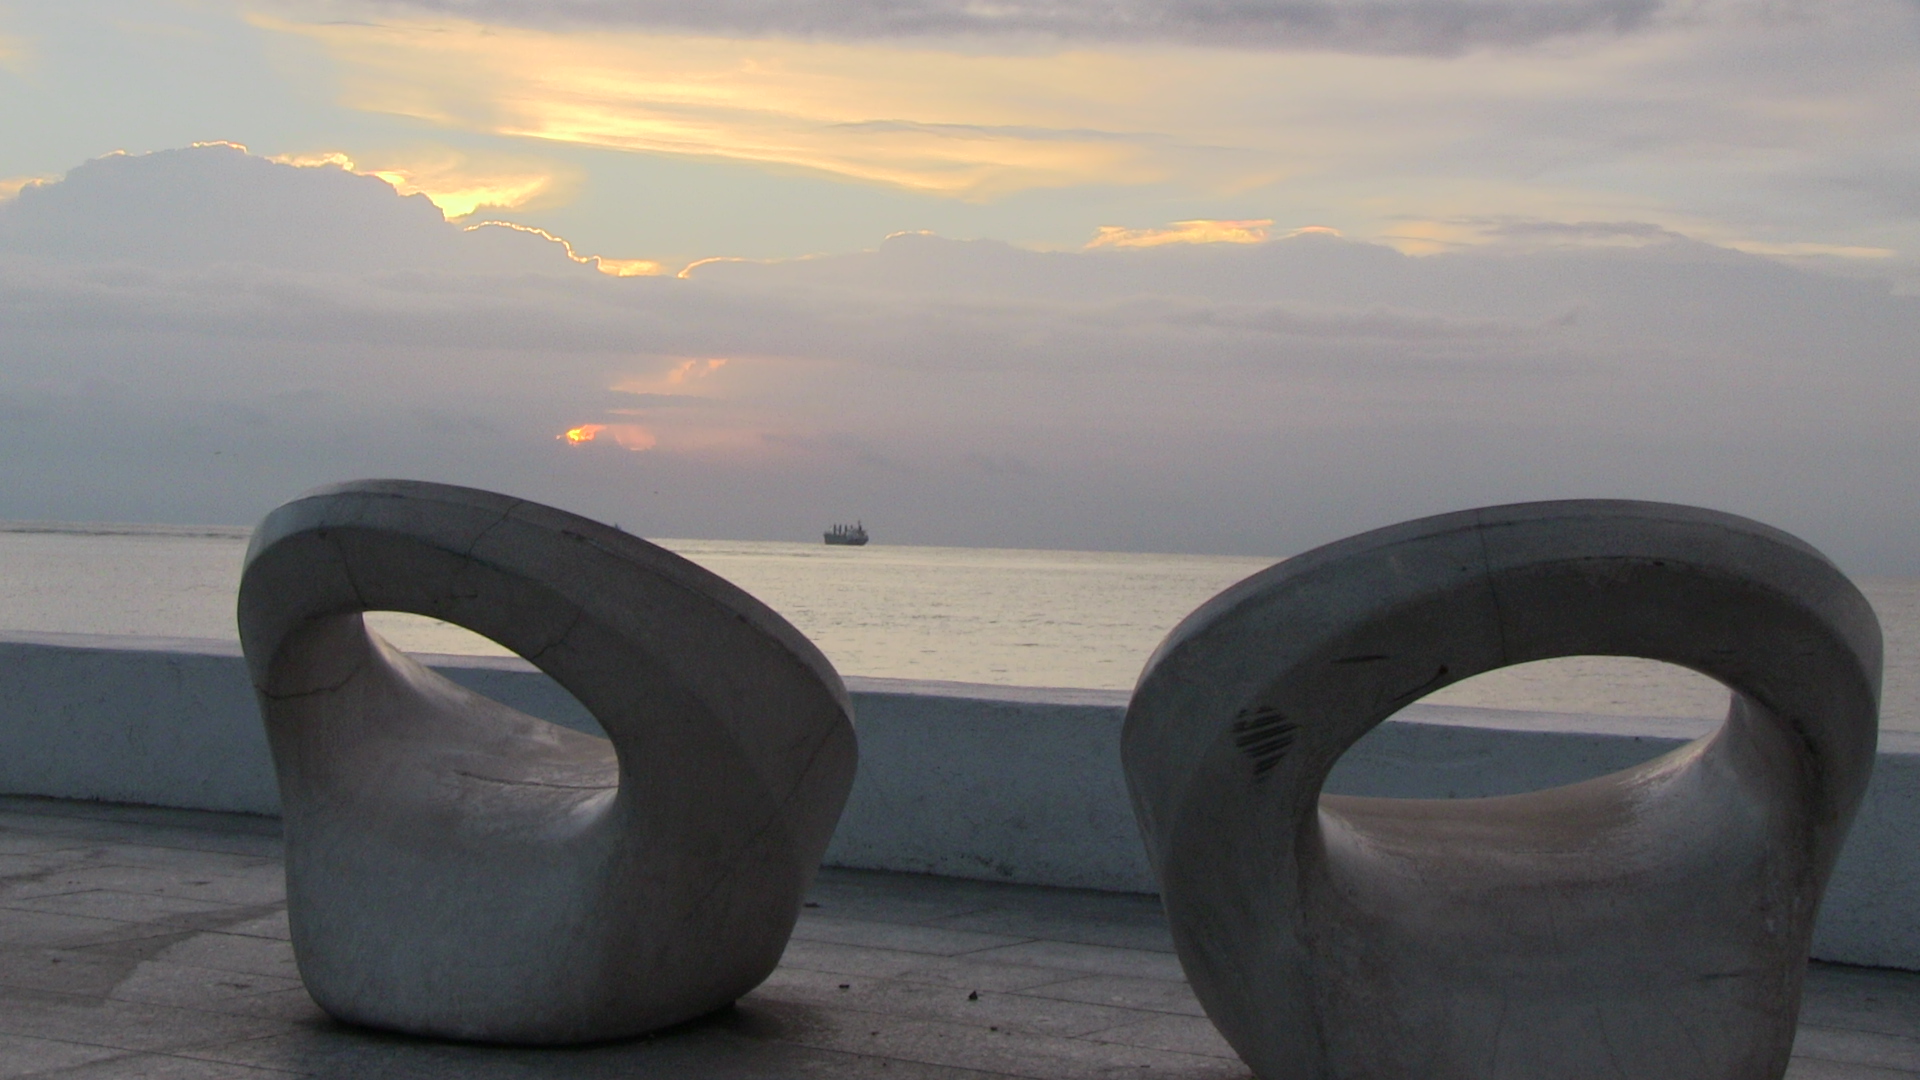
(1022, 618)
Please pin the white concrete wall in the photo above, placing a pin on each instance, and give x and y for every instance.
(159, 721)
(1013, 784)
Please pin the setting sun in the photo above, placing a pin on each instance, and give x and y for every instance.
(625, 436)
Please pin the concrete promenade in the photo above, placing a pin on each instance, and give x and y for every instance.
(152, 943)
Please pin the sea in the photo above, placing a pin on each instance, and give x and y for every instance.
(1004, 616)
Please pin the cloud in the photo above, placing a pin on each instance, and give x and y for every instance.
(1443, 27)
(216, 203)
(1673, 125)
(629, 267)
(1229, 397)
(610, 267)
(1183, 232)
(923, 120)
(1581, 232)
(1379, 322)
(1811, 250)
(454, 183)
(1509, 234)
(12, 185)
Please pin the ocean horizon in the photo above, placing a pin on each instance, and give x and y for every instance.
(1003, 616)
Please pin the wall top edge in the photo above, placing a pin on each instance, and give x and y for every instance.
(1679, 729)
(133, 643)
(1026, 695)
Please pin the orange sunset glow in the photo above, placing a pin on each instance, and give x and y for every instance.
(961, 126)
(1200, 231)
(625, 436)
(451, 183)
(684, 377)
(610, 267)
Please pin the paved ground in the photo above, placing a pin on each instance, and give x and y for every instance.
(149, 943)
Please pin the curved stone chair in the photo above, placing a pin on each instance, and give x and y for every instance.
(456, 868)
(1652, 924)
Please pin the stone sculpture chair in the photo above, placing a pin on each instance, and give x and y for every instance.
(1652, 924)
(456, 868)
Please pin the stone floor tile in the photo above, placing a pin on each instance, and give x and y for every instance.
(841, 959)
(236, 952)
(966, 973)
(132, 948)
(63, 971)
(26, 1056)
(293, 1006)
(1013, 1053)
(133, 907)
(24, 867)
(1182, 1034)
(184, 859)
(897, 936)
(24, 876)
(18, 842)
(1129, 925)
(327, 1049)
(1864, 999)
(963, 972)
(893, 976)
(99, 833)
(160, 1067)
(1149, 995)
(223, 918)
(263, 883)
(1087, 959)
(924, 1001)
(738, 1044)
(53, 929)
(1816, 1069)
(123, 1025)
(189, 987)
(272, 925)
(1859, 1047)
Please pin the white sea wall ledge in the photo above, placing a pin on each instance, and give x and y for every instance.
(1005, 783)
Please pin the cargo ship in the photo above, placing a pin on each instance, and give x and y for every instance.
(847, 535)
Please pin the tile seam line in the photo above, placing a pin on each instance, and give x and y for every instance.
(1915, 1039)
(990, 948)
(96, 842)
(1853, 1061)
(942, 1064)
(1003, 1025)
(96, 1000)
(122, 1051)
(265, 1070)
(84, 889)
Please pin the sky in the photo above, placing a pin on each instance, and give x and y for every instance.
(1230, 276)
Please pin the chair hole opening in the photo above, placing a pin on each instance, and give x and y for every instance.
(1532, 727)
(484, 666)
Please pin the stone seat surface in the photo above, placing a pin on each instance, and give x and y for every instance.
(153, 944)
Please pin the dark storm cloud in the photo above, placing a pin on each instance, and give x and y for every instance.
(1369, 26)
